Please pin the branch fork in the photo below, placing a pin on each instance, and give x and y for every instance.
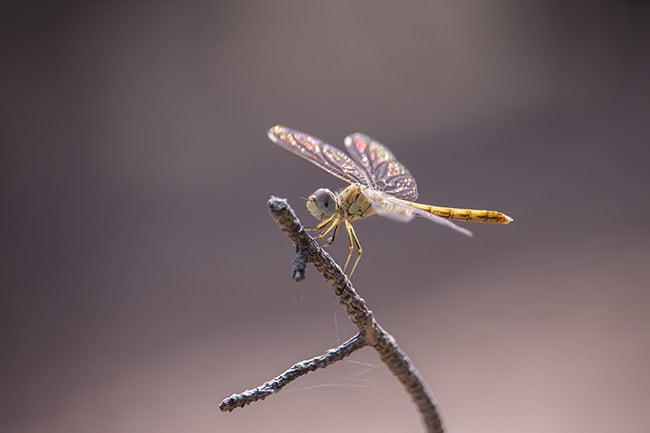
(370, 332)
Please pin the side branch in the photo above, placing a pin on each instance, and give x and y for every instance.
(297, 370)
(396, 360)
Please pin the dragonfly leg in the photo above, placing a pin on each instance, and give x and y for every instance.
(354, 242)
(331, 239)
(333, 224)
(321, 225)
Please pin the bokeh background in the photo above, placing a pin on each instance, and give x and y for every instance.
(143, 279)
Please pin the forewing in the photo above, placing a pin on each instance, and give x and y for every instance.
(386, 173)
(327, 157)
(398, 210)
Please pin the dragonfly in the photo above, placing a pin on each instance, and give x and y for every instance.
(378, 185)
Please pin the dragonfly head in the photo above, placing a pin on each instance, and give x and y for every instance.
(322, 204)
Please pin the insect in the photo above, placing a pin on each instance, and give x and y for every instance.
(379, 184)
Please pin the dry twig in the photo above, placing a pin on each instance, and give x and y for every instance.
(299, 369)
(370, 333)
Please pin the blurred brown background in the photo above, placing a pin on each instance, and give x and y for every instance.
(143, 279)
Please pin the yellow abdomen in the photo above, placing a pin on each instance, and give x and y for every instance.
(481, 216)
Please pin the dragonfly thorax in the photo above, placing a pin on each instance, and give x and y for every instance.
(322, 204)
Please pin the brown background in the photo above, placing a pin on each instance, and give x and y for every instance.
(143, 280)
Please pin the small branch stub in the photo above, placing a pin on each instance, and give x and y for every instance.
(299, 263)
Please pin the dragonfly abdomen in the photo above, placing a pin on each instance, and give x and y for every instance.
(475, 215)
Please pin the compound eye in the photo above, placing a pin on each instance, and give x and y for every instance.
(324, 199)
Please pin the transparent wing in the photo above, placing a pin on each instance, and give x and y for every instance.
(386, 173)
(327, 157)
(398, 210)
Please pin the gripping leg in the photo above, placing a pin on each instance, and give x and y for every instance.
(330, 241)
(322, 224)
(333, 224)
(354, 242)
